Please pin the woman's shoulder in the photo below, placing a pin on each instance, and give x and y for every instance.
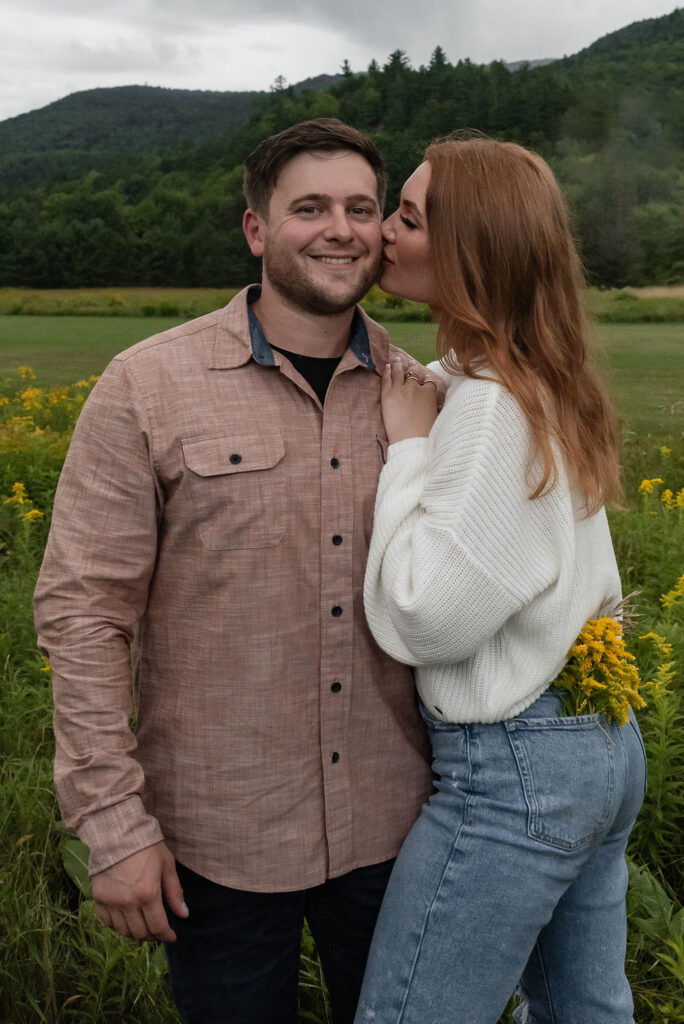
(481, 398)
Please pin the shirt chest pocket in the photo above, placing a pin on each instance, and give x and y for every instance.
(235, 484)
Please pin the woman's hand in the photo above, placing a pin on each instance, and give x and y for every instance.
(409, 406)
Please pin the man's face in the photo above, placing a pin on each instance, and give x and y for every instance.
(321, 243)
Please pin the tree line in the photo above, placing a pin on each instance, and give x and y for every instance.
(610, 121)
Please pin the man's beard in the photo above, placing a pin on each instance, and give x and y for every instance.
(301, 292)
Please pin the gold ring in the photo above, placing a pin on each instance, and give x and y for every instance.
(410, 375)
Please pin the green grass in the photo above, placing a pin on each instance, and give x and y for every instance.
(644, 363)
(61, 349)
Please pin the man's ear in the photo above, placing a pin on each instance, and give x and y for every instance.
(252, 225)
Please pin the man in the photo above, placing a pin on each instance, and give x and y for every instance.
(215, 508)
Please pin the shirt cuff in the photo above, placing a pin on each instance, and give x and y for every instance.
(117, 832)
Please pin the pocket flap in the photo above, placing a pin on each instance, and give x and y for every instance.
(236, 453)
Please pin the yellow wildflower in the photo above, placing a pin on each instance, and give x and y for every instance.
(679, 500)
(600, 676)
(665, 451)
(666, 668)
(31, 398)
(646, 486)
(81, 384)
(58, 395)
(667, 498)
(674, 596)
(19, 496)
(26, 373)
(29, 516)
(660, 642)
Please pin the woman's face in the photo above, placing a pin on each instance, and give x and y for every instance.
(406, 267)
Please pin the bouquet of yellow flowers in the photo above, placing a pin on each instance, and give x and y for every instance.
(600, 676)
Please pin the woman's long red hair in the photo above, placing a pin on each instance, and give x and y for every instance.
(510, 281)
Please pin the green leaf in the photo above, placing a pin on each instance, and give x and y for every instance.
(75, 860)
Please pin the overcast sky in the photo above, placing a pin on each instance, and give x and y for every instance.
(50, 48)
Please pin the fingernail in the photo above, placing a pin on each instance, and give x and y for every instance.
(184, 909)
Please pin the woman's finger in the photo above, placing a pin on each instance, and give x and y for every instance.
(397, 373)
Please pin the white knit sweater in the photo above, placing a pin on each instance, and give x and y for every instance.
(481, 588)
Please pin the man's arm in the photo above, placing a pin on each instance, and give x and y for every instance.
(93, 588)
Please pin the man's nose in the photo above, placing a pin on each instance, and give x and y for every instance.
(338, 225)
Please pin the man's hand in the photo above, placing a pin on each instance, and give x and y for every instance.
(409, 406)
(128, 895)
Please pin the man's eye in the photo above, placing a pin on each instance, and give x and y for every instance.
(407, 222)
(362, 211)
(307, 209)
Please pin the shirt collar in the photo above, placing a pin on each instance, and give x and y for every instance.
(262, 352)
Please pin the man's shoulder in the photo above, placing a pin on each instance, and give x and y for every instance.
(230, 323)
(158, 345)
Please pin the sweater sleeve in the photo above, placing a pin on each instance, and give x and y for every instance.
(458, 547)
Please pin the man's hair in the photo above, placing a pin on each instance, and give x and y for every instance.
(323, 134)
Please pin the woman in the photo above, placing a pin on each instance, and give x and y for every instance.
(490, 550)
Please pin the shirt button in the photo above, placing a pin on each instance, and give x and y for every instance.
(336, 687)
(334, 463)
(336, 611)
(235, 459)
(335, 758)
(337, 540)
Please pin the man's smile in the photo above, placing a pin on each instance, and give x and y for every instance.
(335, 261)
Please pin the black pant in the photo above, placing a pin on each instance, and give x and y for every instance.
(236, 958)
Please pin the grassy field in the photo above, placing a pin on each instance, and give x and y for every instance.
(644, 363)
(57, 964)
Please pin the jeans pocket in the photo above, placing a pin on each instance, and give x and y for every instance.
(567, 770)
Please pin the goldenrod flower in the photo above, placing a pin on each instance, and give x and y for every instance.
(32, 398)
(667, 498)
(29, 516)
(665, 451)
(646, 486)
(674, 596)
(600, 676)
(679, 500)
(660, 642)
(19, 496)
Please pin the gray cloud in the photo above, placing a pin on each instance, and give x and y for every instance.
(47, 50)
(122, 56)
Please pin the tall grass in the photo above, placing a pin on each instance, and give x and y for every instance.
(607, 305)
(57, 964)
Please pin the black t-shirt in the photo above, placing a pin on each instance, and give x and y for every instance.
(317, 371)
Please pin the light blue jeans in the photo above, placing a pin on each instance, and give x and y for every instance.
(513, 874)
